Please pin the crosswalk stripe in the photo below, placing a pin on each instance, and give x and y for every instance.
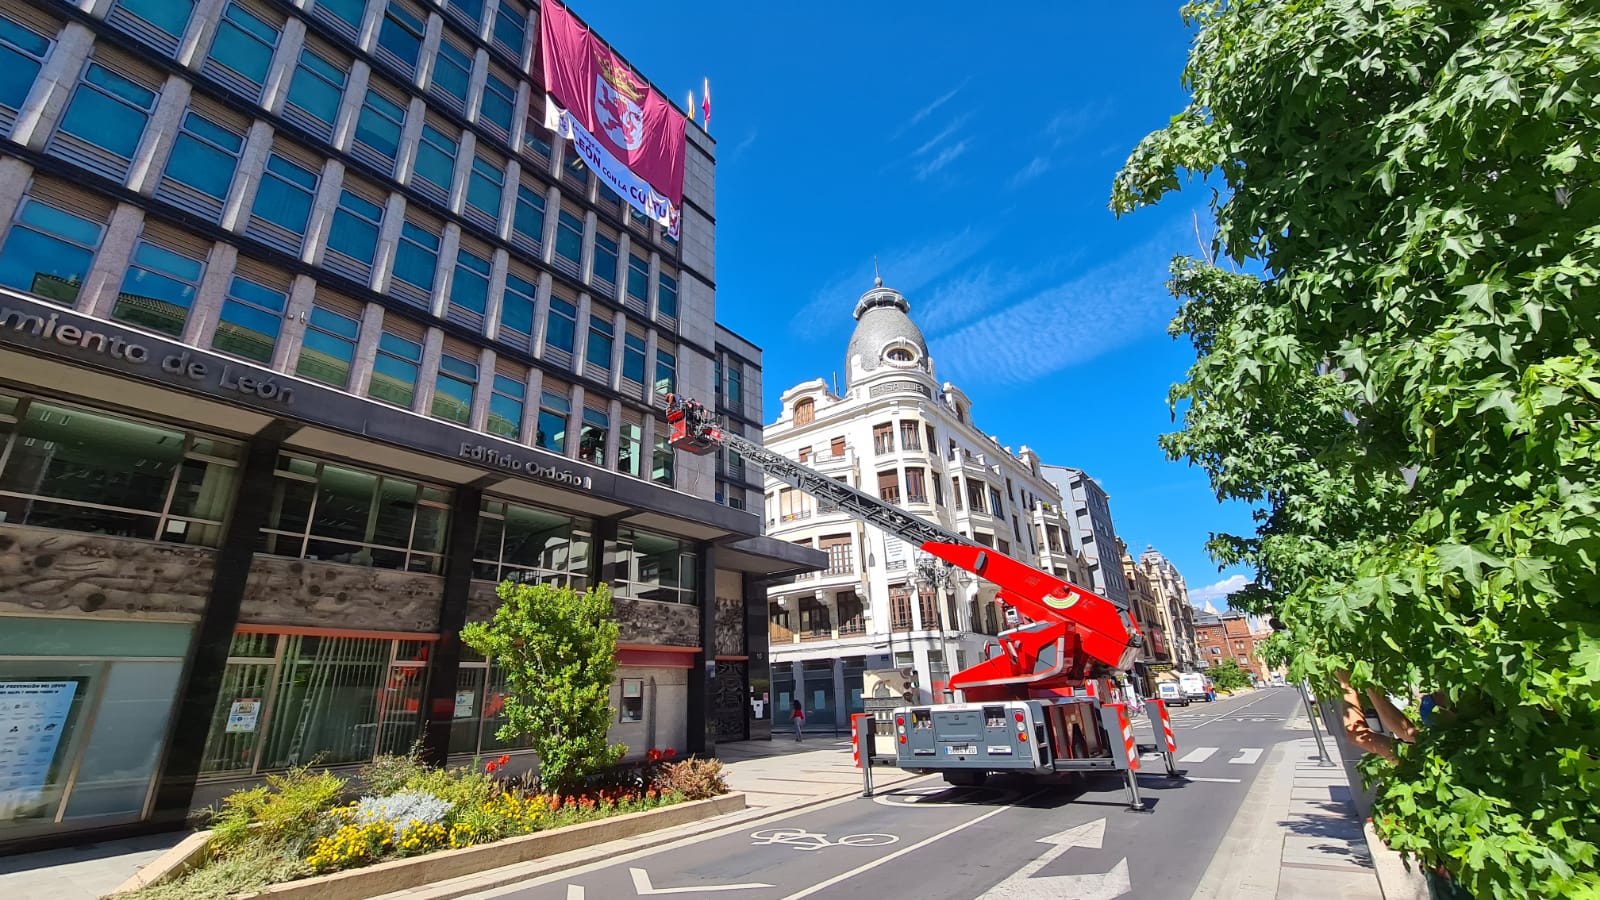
(1198, 754)
(1246, 756)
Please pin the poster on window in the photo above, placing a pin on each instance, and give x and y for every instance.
(32, 716)
(464, 703)
(242, 716)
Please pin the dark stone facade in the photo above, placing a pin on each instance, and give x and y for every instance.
(330, 595)
(44, 571)
(645, 622)
(730, 626)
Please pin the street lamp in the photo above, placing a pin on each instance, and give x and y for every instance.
(937, 575)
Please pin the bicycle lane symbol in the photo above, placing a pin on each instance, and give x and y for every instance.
(800, 839)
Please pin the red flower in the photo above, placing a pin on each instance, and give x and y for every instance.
(670, 753)
(654, 755)
(490, 767)
(504, 759)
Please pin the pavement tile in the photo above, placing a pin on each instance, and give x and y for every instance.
(1296, 883)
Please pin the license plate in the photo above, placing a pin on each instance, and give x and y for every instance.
(963, 750)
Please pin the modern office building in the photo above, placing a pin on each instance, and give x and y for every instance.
(310, 334)
(1091, 509)
(899, 433)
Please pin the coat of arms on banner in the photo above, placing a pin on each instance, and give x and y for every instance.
(616, 105)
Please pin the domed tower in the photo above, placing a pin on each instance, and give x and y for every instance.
(885, 336)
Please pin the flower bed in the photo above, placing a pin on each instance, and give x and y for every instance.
(299, 824)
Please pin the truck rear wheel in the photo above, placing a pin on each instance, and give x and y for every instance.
(966, 777)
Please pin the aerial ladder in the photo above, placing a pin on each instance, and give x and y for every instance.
(1041, 703)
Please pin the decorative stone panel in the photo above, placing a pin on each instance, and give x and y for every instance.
(654, 622)
(331, 595)
(44, 571)
(729, 626)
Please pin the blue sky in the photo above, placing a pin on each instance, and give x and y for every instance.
(973, 156)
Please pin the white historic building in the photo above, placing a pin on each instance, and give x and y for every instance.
(897, 433)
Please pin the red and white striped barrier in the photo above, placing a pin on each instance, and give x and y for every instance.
(1130, 742)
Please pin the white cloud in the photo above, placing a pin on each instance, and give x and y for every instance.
(1065, 325)
(1035, 167)
(929, 110)
(739, 148)
(1217, 594)
(946, 156)
(944, 134)
(907, 268)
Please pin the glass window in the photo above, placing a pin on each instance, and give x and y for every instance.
(380, 124)
(452, 391)
(48, 252)
(523, 544)
(499, 102)
(244, 43)
(553, 411)
(916, 486)
(452, 70)
(284, 197)
(348, 11)
(417, 256)
(629, 444)
(485, 186)
(666, 372)
(471, 9)
(361, 518)
(561, 324)
(394, 372)
(532, 140)
(317, 86)
(592, 436)
(505, 407)
(108, 111)
(608, 196)
(528, 220)
(577, 168)
(646, 566)
(569, 237)
(667, 295)
(469, 289)
(22, 54)
(735, 385)
(79, 470)
(401, 34)
(605, 258)
(328, 347)
(251, 315)
(598, 351)
(661, 463)
(638, 278)
(516, 306)
(158, 289)
(168, 16)
(436, 158)
(355, 227)
(633, 348)
(205, 156)
(510, 27)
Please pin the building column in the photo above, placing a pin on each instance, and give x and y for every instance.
(99, 294)
(445, 660)
(286, 58)
(758, 662)
(46, 102)
(302, 297)
(197, 698)
(428, 374)
(150, 157)
(530, 407)
(484, 391)
(355, 94)
(206, 308)
(444, 268)
(841, 698)
(702, 722)
(252, 167)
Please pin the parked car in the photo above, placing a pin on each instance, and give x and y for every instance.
(1172, 693)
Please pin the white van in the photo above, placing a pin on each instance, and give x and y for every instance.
(1194, 685)
(1171, 693)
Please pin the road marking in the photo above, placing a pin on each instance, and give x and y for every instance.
(1235, 711)
(800, 839)
(1246, 757)
(952, 796)
(1211, 780)
(843, 876)
(642, 886)
(1198, 755)
(1022, 885)
(574, 892)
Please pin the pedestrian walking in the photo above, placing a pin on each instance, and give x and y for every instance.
(798, 716)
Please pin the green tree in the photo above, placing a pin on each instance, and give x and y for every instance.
(1410, 394)
(1228, 676)
(558, 648)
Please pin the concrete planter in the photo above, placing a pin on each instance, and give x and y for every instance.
(401, 874)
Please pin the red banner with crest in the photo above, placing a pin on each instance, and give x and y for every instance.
(630, 119)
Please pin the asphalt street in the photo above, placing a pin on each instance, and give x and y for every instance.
(1008, 839)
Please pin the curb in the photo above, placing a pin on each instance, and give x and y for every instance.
(490, 879)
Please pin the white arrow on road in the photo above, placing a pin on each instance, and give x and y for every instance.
(1022, 885)
(642, 886)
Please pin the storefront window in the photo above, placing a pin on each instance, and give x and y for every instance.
(65, 467)
(527, 545)
(481, 694)
(289, 698)
(327, 512)
(646, 566)
(84, 710)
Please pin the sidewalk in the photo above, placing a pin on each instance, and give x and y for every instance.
(1298, 836)
(775, 776)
